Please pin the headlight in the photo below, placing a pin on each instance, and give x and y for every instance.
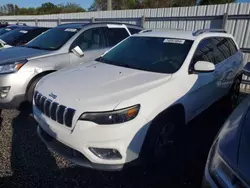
(12, 67)
(112, 117)
(221, 172)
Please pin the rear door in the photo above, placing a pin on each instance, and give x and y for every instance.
(228, 63)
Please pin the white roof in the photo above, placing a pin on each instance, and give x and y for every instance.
(188, 35)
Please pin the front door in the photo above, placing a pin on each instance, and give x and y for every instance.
(92, 43)
(201, 92)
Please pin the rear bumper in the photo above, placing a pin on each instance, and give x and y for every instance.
(73, 155)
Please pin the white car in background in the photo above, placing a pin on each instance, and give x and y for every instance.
(131, 102)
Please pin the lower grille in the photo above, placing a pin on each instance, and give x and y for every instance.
(53, 110)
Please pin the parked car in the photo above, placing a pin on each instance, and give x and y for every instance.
(2, 25)
(20, 36)
(64, 46)
(228, 161)
(131, 102)
(9, 28)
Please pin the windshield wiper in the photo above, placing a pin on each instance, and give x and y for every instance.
(36, 47)
(102, 60)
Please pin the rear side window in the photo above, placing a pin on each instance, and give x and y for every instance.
(232, 46)
(133, 30)
(205, 51)
(225, 48)
(115, 35)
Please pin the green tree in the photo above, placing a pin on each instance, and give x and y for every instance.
(70, 8)
(48, 8)
(211, 2)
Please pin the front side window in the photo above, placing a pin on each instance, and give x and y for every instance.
(90, 40)
(115, 35)
(155, 54)
(53, 39)
(205, 51)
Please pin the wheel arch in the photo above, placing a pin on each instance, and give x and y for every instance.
(42, 74)
(176, 108)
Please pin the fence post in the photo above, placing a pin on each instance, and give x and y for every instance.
(224, 20)
(92, 19)
(143, 20)
(59, 21)
(36, 22)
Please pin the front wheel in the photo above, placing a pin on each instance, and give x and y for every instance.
(161, 140)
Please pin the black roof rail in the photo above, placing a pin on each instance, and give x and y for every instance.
(200, 31)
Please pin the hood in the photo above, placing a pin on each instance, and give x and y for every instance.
(234, 140)
(244, 149)
(19, 53)
(98, 86)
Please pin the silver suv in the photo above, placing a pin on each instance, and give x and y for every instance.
(64, 46)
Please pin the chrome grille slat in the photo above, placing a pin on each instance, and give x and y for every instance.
(47, 105)
(53, 110)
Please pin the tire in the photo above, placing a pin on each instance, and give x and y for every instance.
(30, 91)
(161, 140)
(234, 93)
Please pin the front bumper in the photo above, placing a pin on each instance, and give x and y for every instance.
(16, 95)
(208, 181)
(127, 138)
(72, 155)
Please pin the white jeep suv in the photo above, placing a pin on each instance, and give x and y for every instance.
(131, 102)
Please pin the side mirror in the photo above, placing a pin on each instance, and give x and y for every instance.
(204, 66)
(246, 69)
(78, 51)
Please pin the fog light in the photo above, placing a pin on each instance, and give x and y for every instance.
(4, 91)
(106, 153)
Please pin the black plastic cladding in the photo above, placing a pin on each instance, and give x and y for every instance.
(53, 110)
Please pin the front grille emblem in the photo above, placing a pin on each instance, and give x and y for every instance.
(52, 95)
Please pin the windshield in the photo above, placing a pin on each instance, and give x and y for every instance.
(53, 39)
(162, 55)
(13, 35)
(4, 30)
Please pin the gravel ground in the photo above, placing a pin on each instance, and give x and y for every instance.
(26, 162)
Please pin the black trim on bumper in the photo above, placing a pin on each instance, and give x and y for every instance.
(13, 104)
(73, 155)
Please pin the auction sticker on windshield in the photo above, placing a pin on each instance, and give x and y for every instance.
(175, 41)
(71, 30)
(23, 31)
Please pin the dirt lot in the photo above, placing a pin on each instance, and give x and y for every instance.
(26, 162)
